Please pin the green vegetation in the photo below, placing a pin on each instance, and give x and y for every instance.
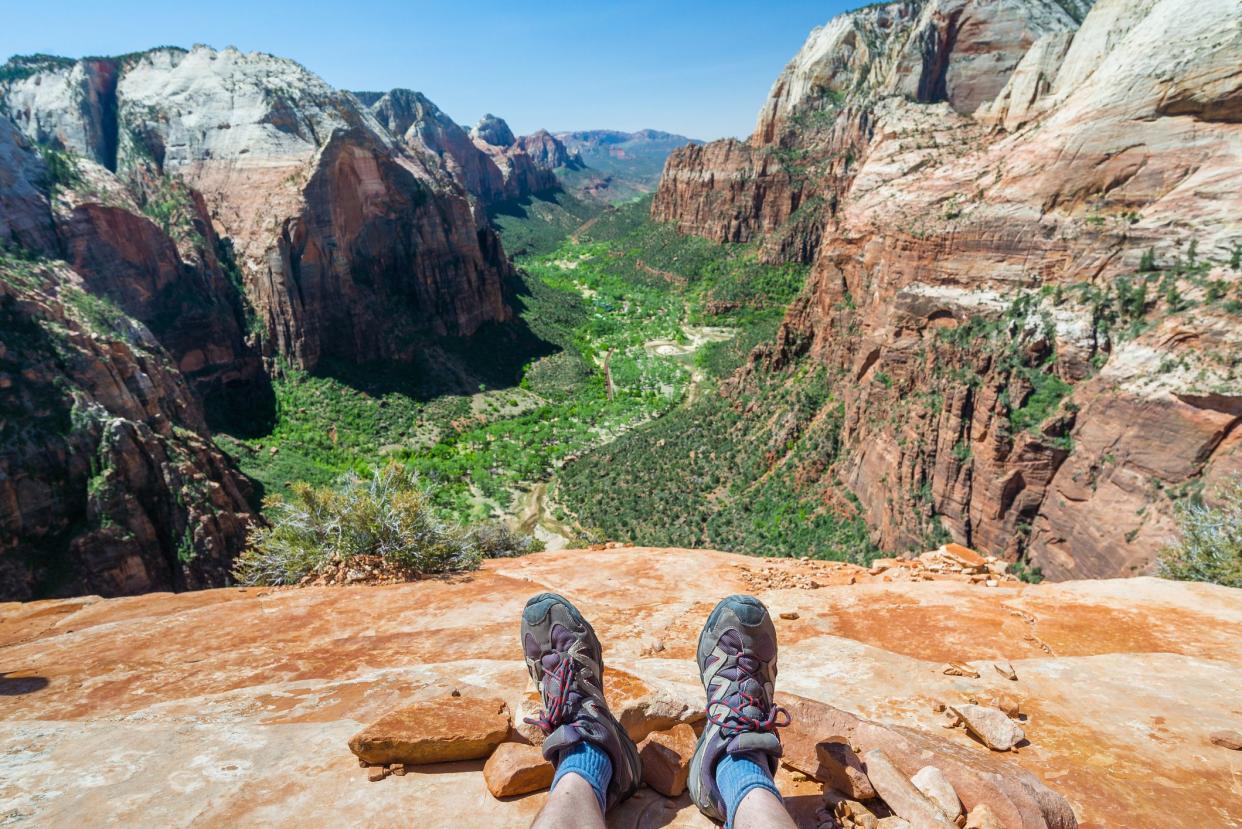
(643, 324)
(1211, 545)
(100, 314)
(709, 475)
(388, 515)
(60, 169)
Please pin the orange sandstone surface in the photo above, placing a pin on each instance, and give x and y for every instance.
(233, 707)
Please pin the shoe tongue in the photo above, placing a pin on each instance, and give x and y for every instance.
(757, 741)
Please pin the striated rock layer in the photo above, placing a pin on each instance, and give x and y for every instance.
(1025, 283)
(107, 704)
(330, 218)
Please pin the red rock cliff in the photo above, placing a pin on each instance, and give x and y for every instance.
(1033, 332)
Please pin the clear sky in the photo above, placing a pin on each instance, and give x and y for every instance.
(693, 67)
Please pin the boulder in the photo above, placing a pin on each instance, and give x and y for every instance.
(642, 709)
(991, 725)
(1015, 795)
(666, 759)
(1227, 739)
(901, 795)
(435, 731)
(931, 782)
(840, 768)
(517, 768)
(893, 822)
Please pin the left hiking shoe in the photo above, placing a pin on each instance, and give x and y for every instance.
(564, 658)
(737, 663)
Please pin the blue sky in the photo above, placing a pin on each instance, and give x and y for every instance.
(698, 68)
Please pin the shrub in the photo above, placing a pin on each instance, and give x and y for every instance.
(1211, 545)
(390, 516)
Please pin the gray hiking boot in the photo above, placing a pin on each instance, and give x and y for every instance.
(564, 658)
(737, 662)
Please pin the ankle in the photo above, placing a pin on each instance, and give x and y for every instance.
(737, 775)
(591, 763)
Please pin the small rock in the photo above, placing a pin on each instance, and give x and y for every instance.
(981, 817)
(991, 582)
(789, 614)
(961, 669)
(901, 795)
(274, 450)
(993, 728)
(434, 731)
(892, 823)
(517, 768)
(377, 773)
(1227, 739)
(364, 763)
(1006, 671)
(666, 759)
(849, 814)
(842, 769)
(1010, 706)
(931, 781)
(397, 769)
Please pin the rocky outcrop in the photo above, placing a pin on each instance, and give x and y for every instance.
(253, 721)
(1027, 329)
(524, 174)
(109, 481)
(545, 151)
(329, 217)
(817, 121)
(420, 124)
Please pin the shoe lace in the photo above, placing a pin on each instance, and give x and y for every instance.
(556, 706)
(734, 720)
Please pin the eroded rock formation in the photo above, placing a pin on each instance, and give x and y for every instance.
(328, 216)
(109, 481)
(1029, 301)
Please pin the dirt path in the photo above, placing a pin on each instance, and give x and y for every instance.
(534, 515)
(583, 228)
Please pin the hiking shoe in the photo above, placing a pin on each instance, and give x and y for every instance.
(564, 658)
(737, 663)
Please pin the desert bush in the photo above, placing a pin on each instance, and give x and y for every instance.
(1211, 545)
(389, 515)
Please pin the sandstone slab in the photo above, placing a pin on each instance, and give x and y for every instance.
(517, 768)
(249, 725)
(901, 795)
(439, 731)
(935, 786)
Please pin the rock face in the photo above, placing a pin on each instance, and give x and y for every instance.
(109, 481)
(524, 173)
(420, 124)
(330, 218)
(1024, 281)
(252, 721)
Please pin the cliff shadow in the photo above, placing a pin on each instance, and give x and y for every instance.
(494, 357)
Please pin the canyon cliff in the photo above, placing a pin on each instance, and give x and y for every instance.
(229, 214)
(349, 244)
(1022, 225)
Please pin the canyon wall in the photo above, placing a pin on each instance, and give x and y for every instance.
(175, 227)
(327, 216)
(1026, 282)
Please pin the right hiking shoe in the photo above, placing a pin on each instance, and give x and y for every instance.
(737, 663)
(564, 657)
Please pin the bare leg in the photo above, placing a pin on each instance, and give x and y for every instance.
(760, 809)
(571, 805)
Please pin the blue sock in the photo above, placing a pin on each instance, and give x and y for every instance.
(736, 776)
(591, 763)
